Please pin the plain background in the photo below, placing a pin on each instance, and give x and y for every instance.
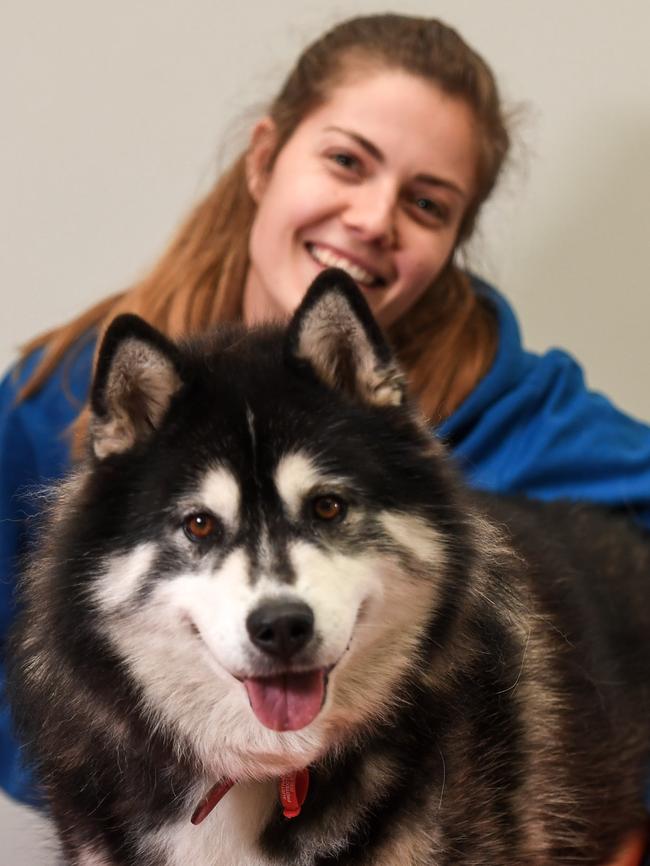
(117, 116)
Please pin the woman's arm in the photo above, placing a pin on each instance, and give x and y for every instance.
(34, 451)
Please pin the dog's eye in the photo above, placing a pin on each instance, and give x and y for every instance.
(328, 508)
(200, 526)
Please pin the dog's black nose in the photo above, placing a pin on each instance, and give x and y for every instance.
(281, 628)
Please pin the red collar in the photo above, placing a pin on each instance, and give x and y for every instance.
(292, 790)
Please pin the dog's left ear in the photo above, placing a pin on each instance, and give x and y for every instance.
(334, 334)
(138, 373)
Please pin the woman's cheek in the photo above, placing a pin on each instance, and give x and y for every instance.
(418, 276)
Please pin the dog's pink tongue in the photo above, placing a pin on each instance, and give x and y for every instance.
(287, 702)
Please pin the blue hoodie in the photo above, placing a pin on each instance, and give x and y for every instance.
(530, 426)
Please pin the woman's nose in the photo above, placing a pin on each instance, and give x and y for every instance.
(371, 215)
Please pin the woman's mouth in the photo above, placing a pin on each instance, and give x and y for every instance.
(329, 259)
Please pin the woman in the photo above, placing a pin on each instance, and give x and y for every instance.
(376, 156)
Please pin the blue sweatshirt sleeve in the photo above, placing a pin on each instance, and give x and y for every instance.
(18, 476)
(34, 451)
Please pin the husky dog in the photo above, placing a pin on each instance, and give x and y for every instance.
(268, 625)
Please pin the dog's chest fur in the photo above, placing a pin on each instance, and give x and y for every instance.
(229, 835)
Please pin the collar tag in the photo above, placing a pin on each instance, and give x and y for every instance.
(293, 791)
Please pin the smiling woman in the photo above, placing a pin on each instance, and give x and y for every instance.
(376, 156)
(376, 181)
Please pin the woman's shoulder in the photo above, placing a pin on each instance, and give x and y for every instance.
(37, 424)
(522, 384)
(513, 377)
(66, 385)
(534, 426)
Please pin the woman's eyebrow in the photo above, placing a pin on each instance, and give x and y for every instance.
(374, 151)
(368, 146)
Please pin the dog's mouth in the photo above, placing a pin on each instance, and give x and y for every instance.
(288, 701)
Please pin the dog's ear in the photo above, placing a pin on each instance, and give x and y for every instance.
(334, 334)
(137, 374)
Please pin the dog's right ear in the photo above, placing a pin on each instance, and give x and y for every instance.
(138, 372)
(334, 335)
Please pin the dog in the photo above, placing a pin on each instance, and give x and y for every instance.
(268, 624)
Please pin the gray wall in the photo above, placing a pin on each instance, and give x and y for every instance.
(117, 115)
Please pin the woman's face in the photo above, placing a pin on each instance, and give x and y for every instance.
(375, 181)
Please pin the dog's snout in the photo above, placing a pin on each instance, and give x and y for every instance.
(281, 628)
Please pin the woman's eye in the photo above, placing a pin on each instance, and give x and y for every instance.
(345, 160)
(328, 509)
(429, 208)
(200, 526)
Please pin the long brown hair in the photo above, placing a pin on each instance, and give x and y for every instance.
(446, 341)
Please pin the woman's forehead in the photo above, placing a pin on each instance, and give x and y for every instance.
(406, 122)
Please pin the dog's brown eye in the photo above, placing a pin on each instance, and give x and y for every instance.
(328, 508)
(200, 526)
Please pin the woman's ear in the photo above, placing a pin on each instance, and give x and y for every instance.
(258, 157)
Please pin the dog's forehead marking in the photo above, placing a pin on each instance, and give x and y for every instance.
(294, 476)
(220, 493)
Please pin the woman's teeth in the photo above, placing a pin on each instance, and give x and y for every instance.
(332, 260)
